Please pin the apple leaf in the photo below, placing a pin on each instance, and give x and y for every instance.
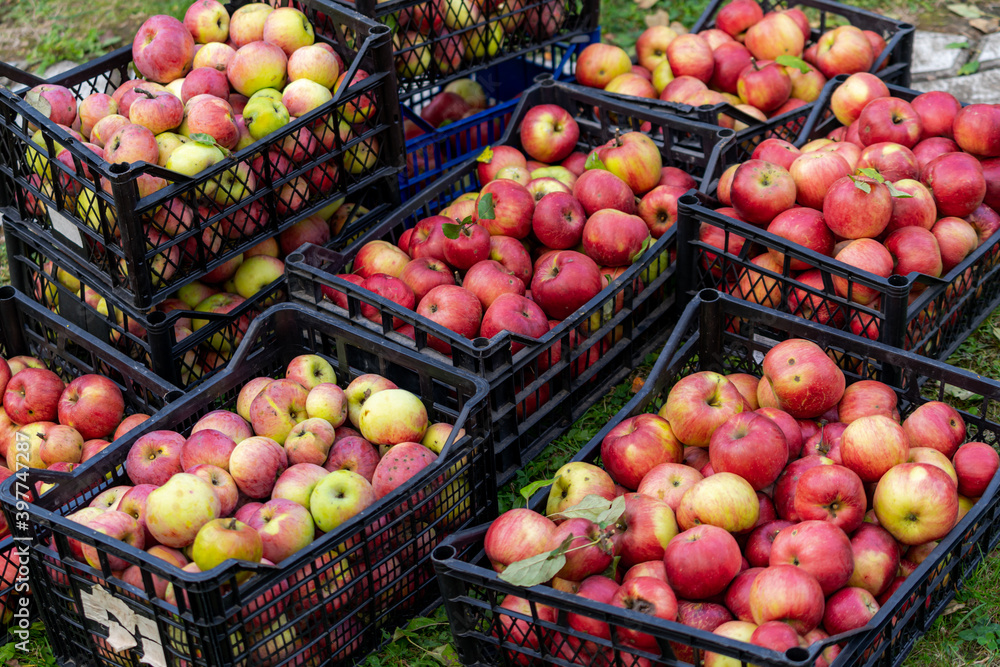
(957, 45)
(872, 174)
(611, 515)
(532, 488)
(594, 162)
(864, 187)
(451, 231)
(537, 569)
(485, 207)
(202, 138)
(968, 68)
(642, 250)
(794, 62)
(486, 156)
(899, 194)
(612, 569)
(39, 103)
(592, 507)
(961, 394)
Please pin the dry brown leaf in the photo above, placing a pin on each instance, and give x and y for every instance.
(644, 4)
(985, 26)
(678, 27)
(637, 384)
(659, 17)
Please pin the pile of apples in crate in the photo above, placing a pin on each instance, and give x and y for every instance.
(902, 187)
(441, 35)
(539, 240)
(778, 511)
(757, 62)
(46, 423)
(213, 84)
(264, 482)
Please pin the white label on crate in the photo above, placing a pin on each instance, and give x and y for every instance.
(126, 630)
(62, 225)
(758, 356)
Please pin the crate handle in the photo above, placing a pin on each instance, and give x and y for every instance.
(19, 75)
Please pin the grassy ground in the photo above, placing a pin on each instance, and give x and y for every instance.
(40, 33)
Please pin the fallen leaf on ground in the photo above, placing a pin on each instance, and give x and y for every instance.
(659, 17)
(985, 26)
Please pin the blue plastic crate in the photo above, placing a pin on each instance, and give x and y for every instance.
(435, 152)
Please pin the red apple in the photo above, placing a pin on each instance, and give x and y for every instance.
(787, 593)
(751, 446)
(956, 180)
(517, 314)
(975, 464)
(814, 173)
(831, 493)
(701, 562)
(872, 445)
(454, 308)
(761, 190)
(564, 281)
(818, 547)
(889, 119)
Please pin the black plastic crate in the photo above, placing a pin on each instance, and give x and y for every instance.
(919, 313)
(892, 66)
(720, 333)
(108, 229)
(535, 395)
(27, 329)
(439, 150)
(382, 557)
(161, 342)
(456, 31)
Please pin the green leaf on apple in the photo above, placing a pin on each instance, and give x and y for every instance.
(594, 162)
(872, 174)
(642, 250)
(202, 138)
(794, 62)
(899, 194)
(485, 207)
(863, 186)
(612, 569)
(537, 569)
(612, 514)
(592, 507)
(486, 156)
(451, 231)
(968, 68)
(533, 488)
(38, 103)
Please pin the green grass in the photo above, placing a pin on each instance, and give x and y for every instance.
(44, 32)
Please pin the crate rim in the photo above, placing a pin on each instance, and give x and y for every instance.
(690, 203)
(224, 571)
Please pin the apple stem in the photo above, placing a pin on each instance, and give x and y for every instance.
(144, 92)
(753, 61)
(618, 137)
